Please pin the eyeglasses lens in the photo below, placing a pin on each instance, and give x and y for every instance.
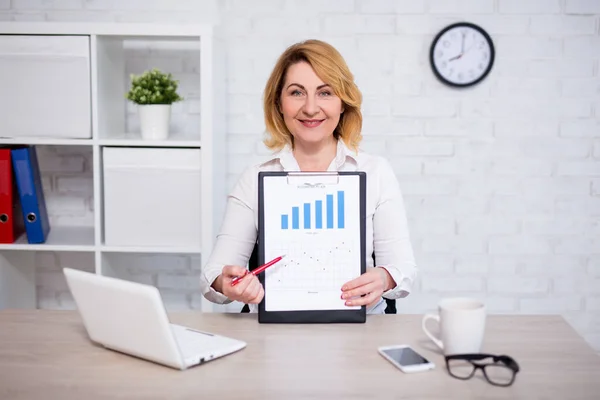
(461, 369)
(499, 374)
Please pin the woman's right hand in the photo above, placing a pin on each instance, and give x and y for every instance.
(248, 290)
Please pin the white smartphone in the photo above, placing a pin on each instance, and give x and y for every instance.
(405, 358)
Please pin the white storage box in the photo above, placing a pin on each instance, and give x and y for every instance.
(45, 86)
(152, 197)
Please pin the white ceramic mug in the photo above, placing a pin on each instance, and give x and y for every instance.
(462, 325)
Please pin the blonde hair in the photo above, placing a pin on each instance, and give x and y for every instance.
(331, 67)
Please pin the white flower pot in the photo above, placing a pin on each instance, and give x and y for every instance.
(154, 121)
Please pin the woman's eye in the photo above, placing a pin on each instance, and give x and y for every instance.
(296, 93)
(326, 93)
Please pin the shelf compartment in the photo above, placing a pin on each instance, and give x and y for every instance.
(60, 238)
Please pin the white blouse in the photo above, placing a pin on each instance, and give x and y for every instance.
(386, 228)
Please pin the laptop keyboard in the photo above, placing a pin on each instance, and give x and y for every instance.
(192, 342)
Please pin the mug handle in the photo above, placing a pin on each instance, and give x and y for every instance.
(435, 340)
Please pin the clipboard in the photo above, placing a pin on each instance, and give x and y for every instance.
(318, 220)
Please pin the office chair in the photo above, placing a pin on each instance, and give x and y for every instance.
(253, 264)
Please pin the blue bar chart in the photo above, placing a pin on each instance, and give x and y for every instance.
(334, 212)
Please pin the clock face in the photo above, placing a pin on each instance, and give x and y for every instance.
(462, 54)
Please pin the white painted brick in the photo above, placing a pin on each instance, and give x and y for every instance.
(395, 126)
(481, 264)
(376, 145)
(376, 106)
(423, 226)
(562, 25)
(582, 7)
(358, 24)
(586, 128)
(184, 282)
(582, 47)
(241, 144)
(66, 204)
(487, 225)
(550, 305)
(446, 166)
(576, 284)
(418, 147)
(570, 205)
(243, 7)
(77, 16)
(570, 168)
(486, 148)
(529, 6)
(567, 67)
(522, 167)
(579, 88)
(193, 106)
(501, 24)
(556, 186)
(406, 166)
(576, 245)
(424, 107)
(49, 163)
(434, 263)
(5, 5)
(593, 303)
(449, 283)
(408, 86)
(244, 104)
(522, 244)
(519, 205)
(483, 183)
(529, 47)
(517, 285)
(597, 149)
(538, 87)
(595, 189)
(310, 6)
(458, 127)
(461, 6)
(74, 184)
(555, 226)
(290, 24)
(453, 244)
(524, 108)
(390, 6)
(175, 300)
(427, 185)
(47, 260)
(247, 124)
(46, 4)
(520, 128)
(500, 304)
(444, 205)
(551, 265)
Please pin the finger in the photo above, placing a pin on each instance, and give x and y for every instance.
(234, 292)
(365, 289)
(363, 301)
(232, 271)
(252, 289)
(259, 297)
(357, 282)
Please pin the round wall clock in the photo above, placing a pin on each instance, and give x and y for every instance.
(462, 54)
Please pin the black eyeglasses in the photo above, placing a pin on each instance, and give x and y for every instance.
(498, 370)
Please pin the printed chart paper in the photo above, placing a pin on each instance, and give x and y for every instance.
(315, 222)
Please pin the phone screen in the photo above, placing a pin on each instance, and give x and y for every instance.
(405, 356)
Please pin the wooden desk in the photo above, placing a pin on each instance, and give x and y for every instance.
(47, 355)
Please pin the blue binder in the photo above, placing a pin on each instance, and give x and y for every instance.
(33, 203)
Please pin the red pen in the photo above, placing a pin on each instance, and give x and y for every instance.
(258, 270)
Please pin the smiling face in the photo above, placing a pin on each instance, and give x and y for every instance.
(311, 111)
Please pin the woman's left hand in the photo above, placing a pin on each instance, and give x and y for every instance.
(367, 288)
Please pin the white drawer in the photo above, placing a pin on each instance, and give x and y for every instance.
(152, 197)
(46, 86)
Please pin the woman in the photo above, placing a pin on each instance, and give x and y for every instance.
(313, 120)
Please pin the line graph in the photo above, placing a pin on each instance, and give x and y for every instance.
(312, 267)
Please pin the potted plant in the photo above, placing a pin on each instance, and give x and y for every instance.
(154, 92)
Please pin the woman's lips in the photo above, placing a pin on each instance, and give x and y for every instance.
(311, 123)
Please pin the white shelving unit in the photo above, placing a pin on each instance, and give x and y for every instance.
(108, 83)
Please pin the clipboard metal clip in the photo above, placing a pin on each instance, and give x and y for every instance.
(309, 180)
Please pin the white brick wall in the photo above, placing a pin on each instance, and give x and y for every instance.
(501, 182)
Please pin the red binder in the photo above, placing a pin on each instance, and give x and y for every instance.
(11, 217)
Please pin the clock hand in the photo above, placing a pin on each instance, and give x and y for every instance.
(462, 45)
(456, 57)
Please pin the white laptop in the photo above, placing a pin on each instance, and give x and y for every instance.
(130, 318)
